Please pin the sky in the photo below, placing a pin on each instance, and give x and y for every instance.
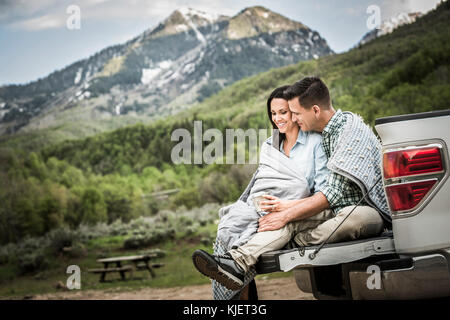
(38, 37)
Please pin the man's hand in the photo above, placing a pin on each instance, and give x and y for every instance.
(274, 204)
(272, 221)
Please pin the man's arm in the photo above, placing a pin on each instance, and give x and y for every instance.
(307, 208)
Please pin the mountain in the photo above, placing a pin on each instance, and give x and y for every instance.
(389, 25)
(186, 58)
(404, 72)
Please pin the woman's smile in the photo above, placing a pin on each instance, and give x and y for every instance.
(281, 124)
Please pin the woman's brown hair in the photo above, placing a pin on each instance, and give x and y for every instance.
(278, 93)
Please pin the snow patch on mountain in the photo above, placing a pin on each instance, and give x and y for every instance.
(181, 28)
(296, 47)
(148, 74)
(78, 76)
(189, 13)
(189, 68)
(165, 64)
(117, 108)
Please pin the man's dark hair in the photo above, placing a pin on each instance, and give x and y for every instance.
(310, 91)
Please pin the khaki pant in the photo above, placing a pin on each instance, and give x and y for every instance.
(364, 222)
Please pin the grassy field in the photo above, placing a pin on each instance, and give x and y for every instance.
(178, 269)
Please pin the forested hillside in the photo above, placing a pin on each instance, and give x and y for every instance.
(110, 175)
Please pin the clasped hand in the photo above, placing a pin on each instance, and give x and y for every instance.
(276, 218)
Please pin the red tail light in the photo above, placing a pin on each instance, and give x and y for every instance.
(406, 196)
(411, 162)
(410, 174)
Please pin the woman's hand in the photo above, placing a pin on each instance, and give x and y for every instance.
(274, 204)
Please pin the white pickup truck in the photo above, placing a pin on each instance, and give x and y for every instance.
(412, 259)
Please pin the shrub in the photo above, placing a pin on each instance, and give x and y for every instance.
(77, 250)
(134, 242)
(152, 237)
(32, 262)
(88, 232)
(208, 238)
(117, 228)
(206, 241)
(30, 245)
(6, 253)
(185, 221)
(190, 230)
(61, 238)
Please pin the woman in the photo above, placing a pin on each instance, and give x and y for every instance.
(285, 137)
(292, 166)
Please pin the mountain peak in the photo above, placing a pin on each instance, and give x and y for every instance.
(193, 14)
(255, 20)
(255, 9)
(184, 19)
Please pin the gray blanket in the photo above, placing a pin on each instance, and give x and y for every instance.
(356, 155)
(277, 175)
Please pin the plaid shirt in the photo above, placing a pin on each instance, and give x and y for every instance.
(340, 191)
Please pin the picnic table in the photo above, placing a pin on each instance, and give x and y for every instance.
(139, 262)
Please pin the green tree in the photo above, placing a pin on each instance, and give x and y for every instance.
(93, 206)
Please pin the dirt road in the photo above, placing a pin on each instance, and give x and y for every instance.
(269, 289)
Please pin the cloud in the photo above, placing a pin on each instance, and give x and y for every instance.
(46, 14)
(14, 10)
(392, 8)
(40, 23)
(423, 6)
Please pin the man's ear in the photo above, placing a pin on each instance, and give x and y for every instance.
(316, 110)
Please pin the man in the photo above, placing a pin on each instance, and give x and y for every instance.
(353, 154)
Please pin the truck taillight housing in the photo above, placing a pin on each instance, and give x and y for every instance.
(411, 162)
(408, 195)
(410, 174)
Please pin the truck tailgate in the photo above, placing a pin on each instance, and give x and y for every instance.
(330, 254)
